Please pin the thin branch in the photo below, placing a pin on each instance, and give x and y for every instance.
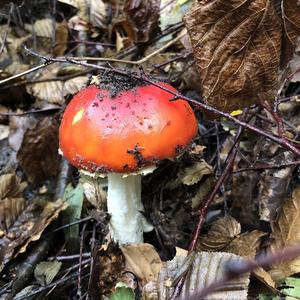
(7, 28)
(203, 211)
(202, 106)
(45, 64)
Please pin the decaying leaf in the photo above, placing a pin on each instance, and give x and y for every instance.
(28, 227)
(195, 173)
(202, 192)
(143, 261)
(18, 125)
(38, 154)
(237, 46)
(191, 175)
(12, 202)
(246, 244)
(43, 28)
(94, 190)
(61, 38)
(285, 233)
(221, 233)
(98, 13)
(143, 17)
(265, 278)
(108, 268)
(45, 271)
(201, 270)
(55, 91)
(273, 187)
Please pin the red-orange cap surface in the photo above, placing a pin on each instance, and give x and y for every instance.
(136, 128)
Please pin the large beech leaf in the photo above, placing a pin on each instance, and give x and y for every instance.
(285, 233)
(239, 46)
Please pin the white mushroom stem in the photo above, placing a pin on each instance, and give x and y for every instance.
(125, 206)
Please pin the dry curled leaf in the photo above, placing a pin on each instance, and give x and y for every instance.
(246, 244)
(201, 269)
(28, 227)
(285, 233)
(221, 233)
(264, 277)
(38, 155)
(143, 17)
(195, 173)
(12, 202)
(238, 48)
(143, 261)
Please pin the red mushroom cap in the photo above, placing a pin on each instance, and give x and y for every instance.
(136, 128)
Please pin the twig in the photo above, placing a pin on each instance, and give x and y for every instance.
(45, 64)
(66, 279)
(25, 270)
(69, 257)
(72, 223)
(93, 240)
(203, 106)
(7, 28)
(202, 212)
(137, 62)
(265, 166)
(79, 292)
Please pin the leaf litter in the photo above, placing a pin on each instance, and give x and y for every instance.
(255, 211)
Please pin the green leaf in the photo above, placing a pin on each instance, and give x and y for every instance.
(122, 293)
(74, 197)
(293, 288)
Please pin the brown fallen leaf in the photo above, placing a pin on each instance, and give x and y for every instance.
(18, 125)
(285, 233)
(221, 233)
(55, 91)
(191, 175)
(264, 277)
(143, 261)
(201, 270)
(143, 17)
(246, 244)
(238, 48)
(291, 25)
(28, 227)
(12, 202)
(274, 185)
(108, 268)
(195, 173)
(38, 155)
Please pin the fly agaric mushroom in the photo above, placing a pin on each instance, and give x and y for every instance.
(123, 135)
